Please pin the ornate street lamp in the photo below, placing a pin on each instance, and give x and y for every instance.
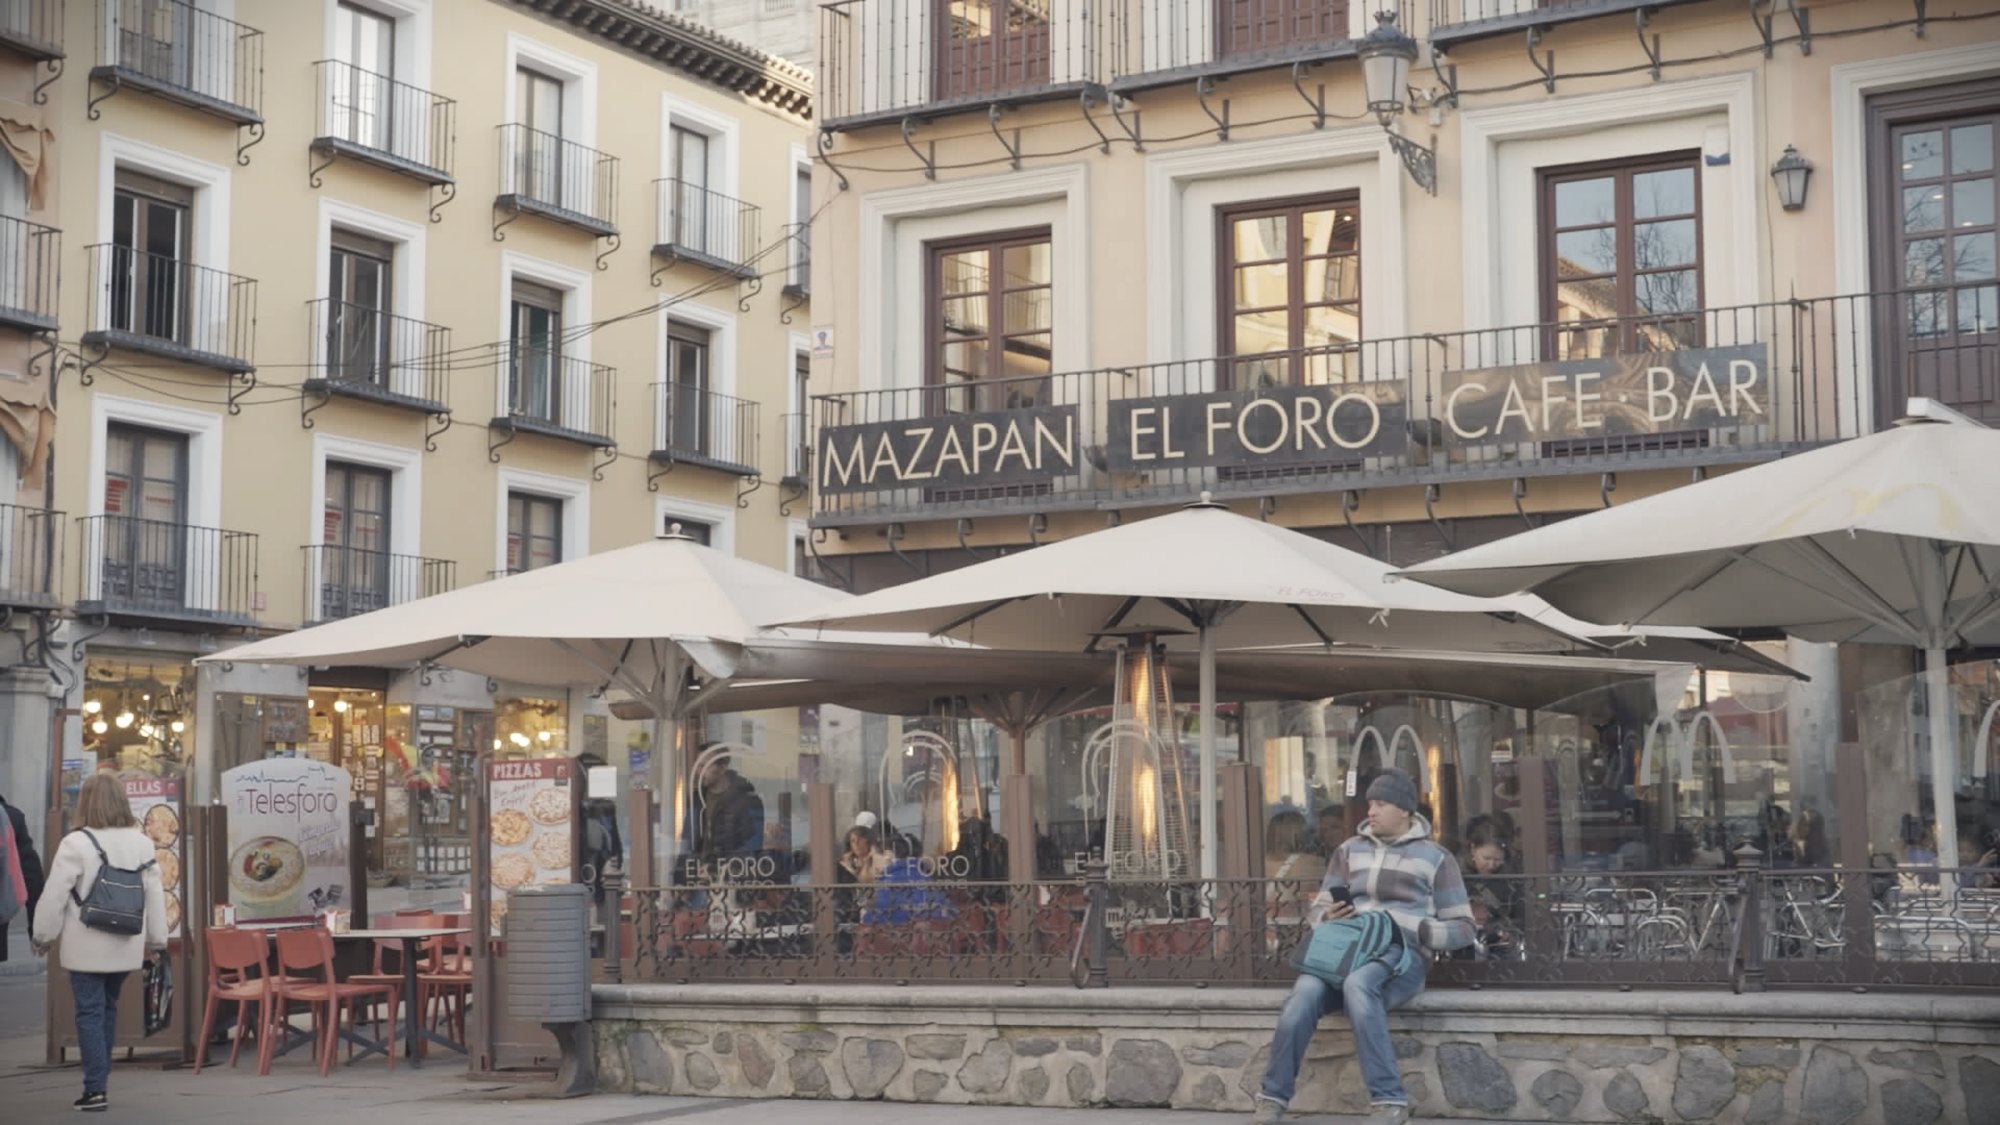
(1791, 173)
(1386, 54)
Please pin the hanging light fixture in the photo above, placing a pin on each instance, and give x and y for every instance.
(124, 719)
(99, 727)
(1386, 54)
(519, 739)
(340, 706)
(92, 706)
(177, 726)
(1791, 174)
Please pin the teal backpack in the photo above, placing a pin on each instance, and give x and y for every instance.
(1336, 949)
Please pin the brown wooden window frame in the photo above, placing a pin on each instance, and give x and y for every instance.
(1294, 209)
(521, 507)
(1626, 320)
(990, 384)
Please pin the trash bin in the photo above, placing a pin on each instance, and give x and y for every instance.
(547, 963)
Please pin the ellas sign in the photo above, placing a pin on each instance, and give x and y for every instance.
(1646, 393)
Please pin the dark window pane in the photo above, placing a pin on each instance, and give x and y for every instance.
(1972, 257)
(1671, 243)
(1587, 252)
(1923, 155)
(1667, 192)
(1972, 148)
(1923, 261)
(1666, 292)
(1923, 208)
(1586, 202)
(1979, 309)
(1972, 203)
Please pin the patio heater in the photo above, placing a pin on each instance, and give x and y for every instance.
(1146, 821)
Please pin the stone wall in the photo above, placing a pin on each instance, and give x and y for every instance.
(1818, 1059)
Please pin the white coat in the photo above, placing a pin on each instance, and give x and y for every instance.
(83, 949)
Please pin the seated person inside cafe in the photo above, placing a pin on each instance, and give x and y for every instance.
(905, 893)
(1498, 906)
(728, 815)
(1392, 865)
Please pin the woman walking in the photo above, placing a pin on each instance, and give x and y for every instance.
(98, 960)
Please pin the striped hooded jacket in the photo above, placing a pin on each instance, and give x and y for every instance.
(1413, 878)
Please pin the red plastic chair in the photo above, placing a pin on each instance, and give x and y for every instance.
(238, 972)
(310, 951)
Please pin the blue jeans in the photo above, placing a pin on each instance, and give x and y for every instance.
(1367, 995)
(96, 1024)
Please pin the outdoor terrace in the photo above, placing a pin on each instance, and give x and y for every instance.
(1517, 402)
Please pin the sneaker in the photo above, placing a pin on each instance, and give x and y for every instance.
(1268, 1112)
(93, 1103)
(1388, 1114)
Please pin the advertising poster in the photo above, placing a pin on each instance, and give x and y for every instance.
(156, 801)
(532, 828)
(288, 835)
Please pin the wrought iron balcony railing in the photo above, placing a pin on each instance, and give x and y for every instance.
(178, 51)
(708, 227)
(349, 581)
(150, 568)
(696, 426)
(33, 27)
(558, 395)
(1453, 21)
(1154, 42)
(171, 307)
(798, 446)
(30, 556)
(798, 277)
(1710, 386)
(364, 352)
(30, 267)
(391, 124)
(558, 179)
(880, 59)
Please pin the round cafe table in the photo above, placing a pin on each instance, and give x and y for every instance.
(414, 1029)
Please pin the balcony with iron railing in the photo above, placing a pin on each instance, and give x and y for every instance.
(171, 308)
(1458, 21)
(374, 118)
(350, 581)
(798, 448)
(359, 351)
(178, 51)
(157, 570)
(798, 271)
(1707, 387)
(706, 227)
(548, 175)
(30, 267)
(557, 396)
(30, 557)
(693, 425)
(33, 28)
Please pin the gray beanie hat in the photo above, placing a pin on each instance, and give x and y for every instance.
(1394, 787)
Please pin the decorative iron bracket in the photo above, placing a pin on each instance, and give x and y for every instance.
(1606, 485)
(1548, 70)
(790, 494)
(1699, 474)
(1520, 507)
(443, 420)
(1093, 94)
(894, 534)
(653, 475)
(1447, 77)
(1431, 492)
(499, 228)
(822, 565)
(254, 130)
(965, 529)
(1921, 5)
(929, 160)
(799, 299)
(1316, 104)
(669, 259)
(55, 66)
(84, 364)
(446, 192)
(1803, 19)
(1350, 502)
(1266, 507)
(493, 448)
(615, 243)
(747, 288)
(1038, 526)
(755, 482)
(45, 355)
(1114, 518)
(110, 83)
(313, 169)
(249, 381)
(1418, 161)
(1203, 87)
(1763, 24)
(597, 468)
(1134, 129)
(103, 623)
(1641, 18)
(993, 112)
(825, 147)
(307, 407)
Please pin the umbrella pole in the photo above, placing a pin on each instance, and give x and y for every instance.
(1944, 755)
(1208, 842)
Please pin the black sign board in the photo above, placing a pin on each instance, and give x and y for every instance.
(1622, 395)
(1268, 426)
(949, 450)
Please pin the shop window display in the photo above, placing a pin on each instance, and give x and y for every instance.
(138, 719)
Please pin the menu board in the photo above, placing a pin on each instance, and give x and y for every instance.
(531, 829)
(156, 801)
(288, 833)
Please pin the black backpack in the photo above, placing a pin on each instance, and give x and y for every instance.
(116, 903)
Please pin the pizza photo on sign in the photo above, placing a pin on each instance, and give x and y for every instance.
(511, 827)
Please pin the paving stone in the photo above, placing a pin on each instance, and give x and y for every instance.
(1082, 1085)
(1034, 1085)
(1767, 1104)
(821, 1042)
(1836, 1090)
(808, 1076)
(1917, 1062)
(701, 1071)
(944, 1048)
(1979, 1081)
(1092, 1045)
(1625, 1097)
(1781, 1058)
(1406, 1046)
(652, 1072)
(1473, 1080)
(1906, 1101)
(925, 1085)
(1035, 1047)
(1208, 1093)
(870, 1065)
(1141, 1072)
(685, 1036)
(1557, 1091)
(1704, 1082)
(1604, 1058)
(757, 1064)
(722, 1044)
(987, 1071)
(1232, 1054)
(1534, 1052)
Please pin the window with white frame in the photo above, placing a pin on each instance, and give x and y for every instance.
(534, 531)
(699, 211)
(800, 229)
(551, 114)
(713, 525)
(541, 519)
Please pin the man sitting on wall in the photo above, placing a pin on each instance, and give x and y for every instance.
(1393, 865)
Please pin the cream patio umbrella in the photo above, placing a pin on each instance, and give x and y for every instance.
(1889, 538)
(1238, 582)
